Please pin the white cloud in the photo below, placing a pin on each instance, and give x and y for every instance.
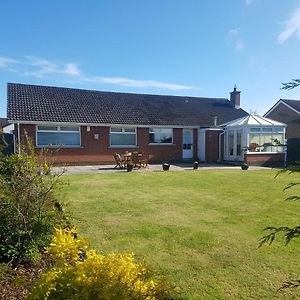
(233, 38)
(41, 68)
(138, 83)
(5, 62)
(239, 45)
(292, 27)
(232, 33)
(44, 67)
(72, 69)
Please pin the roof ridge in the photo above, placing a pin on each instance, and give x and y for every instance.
(38, 103)
(113, 92)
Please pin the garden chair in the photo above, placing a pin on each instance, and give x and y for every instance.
(120, 163)
(143, 159)
(135, 159)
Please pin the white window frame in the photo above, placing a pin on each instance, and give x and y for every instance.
(37, 130)
(123, 131)
(274, 130)
(161, 144)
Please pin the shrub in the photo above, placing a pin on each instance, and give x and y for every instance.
(80, 273)
(27, 208)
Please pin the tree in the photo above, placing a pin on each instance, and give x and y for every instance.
(291, 84)
(289, 233)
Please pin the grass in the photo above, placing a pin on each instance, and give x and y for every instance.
(200, 228)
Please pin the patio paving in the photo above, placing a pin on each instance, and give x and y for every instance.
(93, 169)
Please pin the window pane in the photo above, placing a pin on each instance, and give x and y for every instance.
(114, 129)
(254, 142)
(239, 140)
(121, 139)
(58, 139)
(129, 129)
(267, 129)
(278, 129)
(254, 129)
(230, 143)
(69, 128)
(51, 128)
(161, 135)
(278, 141)
(266, 142)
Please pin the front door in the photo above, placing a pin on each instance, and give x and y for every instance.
(187, 144)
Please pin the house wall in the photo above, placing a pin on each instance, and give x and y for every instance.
(285, 115)
(265, 159)
(94, 151)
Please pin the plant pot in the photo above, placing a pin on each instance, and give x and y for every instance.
(196, 165)
(166, 167)
(244, 167)
(129, 168)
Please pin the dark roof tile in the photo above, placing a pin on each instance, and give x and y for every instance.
(57, 104)
(293, 103)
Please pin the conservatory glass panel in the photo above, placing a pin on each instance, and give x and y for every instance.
(254, 142)
(230, 142)
(239, 140)
(266, 142)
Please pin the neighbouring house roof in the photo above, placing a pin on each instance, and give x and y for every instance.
(253, 120)
(33, 103)
(3, 122)
(291, 104)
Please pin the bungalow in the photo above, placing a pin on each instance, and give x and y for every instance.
(87, 127)
(288, 112)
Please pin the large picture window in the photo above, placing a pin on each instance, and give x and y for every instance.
(120, 136)
(58, 136)
(161, 136)
(266, 139)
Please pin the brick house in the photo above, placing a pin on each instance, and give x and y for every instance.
(88, 127)
(288, 112)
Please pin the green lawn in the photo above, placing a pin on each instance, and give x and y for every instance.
(200, 228)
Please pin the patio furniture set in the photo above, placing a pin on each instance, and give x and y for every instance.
(135, 159)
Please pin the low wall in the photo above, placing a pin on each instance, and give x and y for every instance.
(265, 159)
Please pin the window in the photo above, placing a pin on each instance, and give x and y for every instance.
(58, 136)
(230, 142)
(266, 139)
(120, 136)
(239, 142)
(160, 135)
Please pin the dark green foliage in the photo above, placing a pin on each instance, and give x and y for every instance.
(27, 208)
(291, 84)
(288, 233)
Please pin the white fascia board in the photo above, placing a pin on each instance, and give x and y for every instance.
(99, 124)
(281, 102)
(211, 129)
(273, 107)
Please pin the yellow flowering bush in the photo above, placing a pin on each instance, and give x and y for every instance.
(81, 273)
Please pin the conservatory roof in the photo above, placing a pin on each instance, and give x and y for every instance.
(253, 120)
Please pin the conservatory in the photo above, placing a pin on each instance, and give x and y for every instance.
(255, 140)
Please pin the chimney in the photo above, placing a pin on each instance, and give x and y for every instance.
(235, 98)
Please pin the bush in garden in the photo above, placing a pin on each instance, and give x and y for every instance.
(79, 273)
(27, 207)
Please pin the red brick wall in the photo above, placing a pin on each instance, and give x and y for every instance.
(285, 115)
(99, 151)
(264, 159)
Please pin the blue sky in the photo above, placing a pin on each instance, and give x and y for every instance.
(177, 47)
